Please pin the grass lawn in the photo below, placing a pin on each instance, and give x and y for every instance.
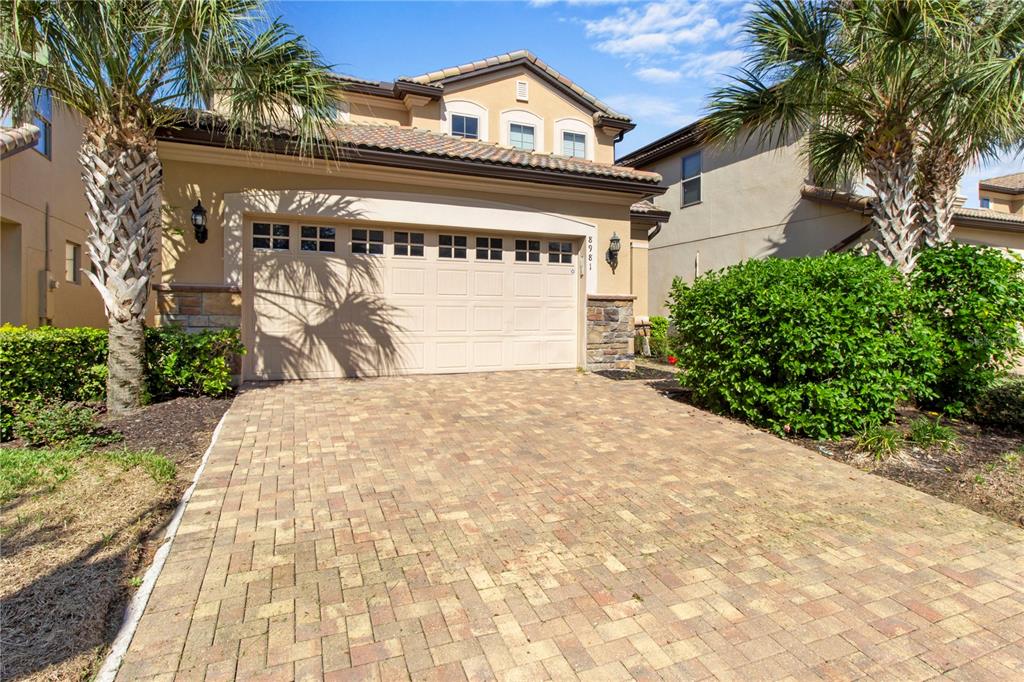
(78, 526)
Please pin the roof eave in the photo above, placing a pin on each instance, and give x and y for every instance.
(685, 137)
(430, 162)
(1000, 189)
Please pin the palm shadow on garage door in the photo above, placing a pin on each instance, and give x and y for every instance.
(322, 319)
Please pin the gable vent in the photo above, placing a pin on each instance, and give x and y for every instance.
(522, 91)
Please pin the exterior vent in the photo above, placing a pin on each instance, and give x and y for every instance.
(522, 91)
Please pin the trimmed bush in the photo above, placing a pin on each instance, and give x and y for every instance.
(69, 365)
(1002, 405)
(51, 364)
(183, 363)
(817, 346)
(973, 297)
(659, 336)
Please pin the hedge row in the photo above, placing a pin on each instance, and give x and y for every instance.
(831, 345)
(69, 364)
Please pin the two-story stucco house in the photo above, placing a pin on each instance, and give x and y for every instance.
(467, 219)
(475, 221)
(727, 203)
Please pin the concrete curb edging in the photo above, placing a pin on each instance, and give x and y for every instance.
(133, 613)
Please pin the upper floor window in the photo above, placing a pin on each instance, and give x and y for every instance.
(986, 202)
(691, 179)
(521, 136)
(466, 126)
(574, 144)
(43, 119)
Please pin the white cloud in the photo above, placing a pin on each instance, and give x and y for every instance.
(715, 63)
(659, 28)
(651, 109)
(654, 74)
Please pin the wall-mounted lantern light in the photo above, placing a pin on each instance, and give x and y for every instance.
(199, 222)
(614, 246)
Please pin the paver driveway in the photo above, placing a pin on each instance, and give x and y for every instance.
(551, 525)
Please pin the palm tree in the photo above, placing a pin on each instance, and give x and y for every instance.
(129, 68)
(979, 111)
(853, 74)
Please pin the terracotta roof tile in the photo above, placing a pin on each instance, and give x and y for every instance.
(989, 214)
(526, 55)
(1011, 184)
(425, 142)
(646, 206)
(14, 140)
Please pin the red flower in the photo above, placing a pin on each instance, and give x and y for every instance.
(672, 360)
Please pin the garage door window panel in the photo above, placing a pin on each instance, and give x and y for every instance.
(271, 236)
(488, 248)
(409, 244)
(452, 246)
(314, 238)
(368, 242)
(527, 251)
(560, 252)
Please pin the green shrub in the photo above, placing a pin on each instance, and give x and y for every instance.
(973, 297)
(879, 441)
(49, 364)
(179, 362)
(54, 364)
(816, 346)
(659, 336)
(53, 422)
(1002, 405)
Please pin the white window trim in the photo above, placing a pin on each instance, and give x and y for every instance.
(465, 107)
(574, 125)
(526, 118)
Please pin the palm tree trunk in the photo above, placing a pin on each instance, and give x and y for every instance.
(940, 168)
(122, 176)
(891, 175)
(937, 211)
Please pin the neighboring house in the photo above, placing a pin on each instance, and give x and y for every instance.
(43, 224)
(729, 203)
(467, 227)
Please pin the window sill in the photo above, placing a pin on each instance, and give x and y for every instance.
(692, 203)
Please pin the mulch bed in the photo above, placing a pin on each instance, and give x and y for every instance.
(70, 552)
(980, 472)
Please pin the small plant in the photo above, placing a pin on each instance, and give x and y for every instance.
(925, 433)
(659, 336)
(136, 581)
(879, 441)
(54, 423)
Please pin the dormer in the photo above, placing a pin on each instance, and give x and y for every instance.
(516, 100)
(1004, 194)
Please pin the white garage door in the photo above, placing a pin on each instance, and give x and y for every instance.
(328, 301)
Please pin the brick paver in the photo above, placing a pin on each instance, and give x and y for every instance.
(555, 525)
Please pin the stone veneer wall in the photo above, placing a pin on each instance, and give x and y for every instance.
(610, 332)
(197, 307)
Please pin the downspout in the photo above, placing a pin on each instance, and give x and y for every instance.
(46, 281)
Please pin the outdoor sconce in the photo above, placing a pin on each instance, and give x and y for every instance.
(614, 246)
(199, 222)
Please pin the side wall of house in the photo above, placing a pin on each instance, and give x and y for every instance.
(40, 195)
(750, 207)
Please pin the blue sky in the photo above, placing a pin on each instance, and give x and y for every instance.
(655, 61)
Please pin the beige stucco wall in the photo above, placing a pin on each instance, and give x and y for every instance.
(998, 238)
(751, 208)
(637, 249)
(1004, 203)
(207, 173)
(29, 184)
(496, 93)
